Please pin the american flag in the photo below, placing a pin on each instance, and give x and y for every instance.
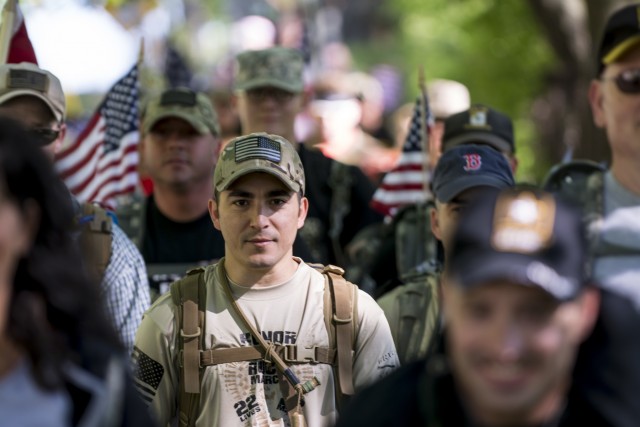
(102, 163)
(405, 183)
(257, 148)
(20, 47)
(176, 71)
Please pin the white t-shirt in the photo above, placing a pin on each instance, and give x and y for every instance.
(247, 393)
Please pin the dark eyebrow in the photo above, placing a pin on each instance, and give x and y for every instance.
(280, 193)
(248, 195)
(240, 193)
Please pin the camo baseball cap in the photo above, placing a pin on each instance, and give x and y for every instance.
(192, 107)
(26, 79)
(259, 152)
(279, 67)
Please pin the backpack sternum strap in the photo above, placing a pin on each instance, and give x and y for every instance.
(289, 353)
(341, 295)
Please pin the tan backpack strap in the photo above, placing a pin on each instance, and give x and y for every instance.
(341, 301)
(95, 238)
(189, 296)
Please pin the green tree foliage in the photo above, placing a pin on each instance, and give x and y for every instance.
(494, 47)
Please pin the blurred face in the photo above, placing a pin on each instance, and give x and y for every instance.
(339, 120)
(615, 111)
(444, 217)
(174, 154)
(34, 114)
(268, 109)
(512, 348)
(259, 218)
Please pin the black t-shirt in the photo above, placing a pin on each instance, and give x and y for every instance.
(166, 241)
(608, 367)
(317, 168)
(424, 394)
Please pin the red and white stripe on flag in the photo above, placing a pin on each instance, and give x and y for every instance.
(102, 163)
(404, 184)
(20, 47)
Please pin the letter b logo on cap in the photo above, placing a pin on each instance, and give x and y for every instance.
(473, 162)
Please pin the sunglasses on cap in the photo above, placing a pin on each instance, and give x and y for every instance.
(45, 136)
(627, 81)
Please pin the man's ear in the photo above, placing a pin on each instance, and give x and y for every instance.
(214, 213)
(435, 224)
(590, 306)
(302, 213)
(596, 99)
(57, 144)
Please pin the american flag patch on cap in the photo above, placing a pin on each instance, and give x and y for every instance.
(258, 147)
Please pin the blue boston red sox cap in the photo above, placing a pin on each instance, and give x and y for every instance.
(524, 235)
(468, 166)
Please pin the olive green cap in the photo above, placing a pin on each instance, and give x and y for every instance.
(27, 79)
(192, 107)
(278, 67)
(259, 152)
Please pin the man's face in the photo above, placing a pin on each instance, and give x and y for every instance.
(512, 347)
(617, 112)
(268, 109)
(445, 216)
(259, 218)
(175, 154)
(34, 114)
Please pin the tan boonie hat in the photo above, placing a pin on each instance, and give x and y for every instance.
(259, 152)
(26, 79)
(192, 107)
(279, 67)
(447, 97)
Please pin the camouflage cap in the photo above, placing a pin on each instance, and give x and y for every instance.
(26, 79)
(279, 67)
(259, 152)
(192, 107)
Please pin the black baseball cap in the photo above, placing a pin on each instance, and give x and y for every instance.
(521, 234)
(621, 33)
(468, 166)
(479, 124)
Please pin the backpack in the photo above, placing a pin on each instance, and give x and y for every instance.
(340, 315)
(95, 226)
(413, 312)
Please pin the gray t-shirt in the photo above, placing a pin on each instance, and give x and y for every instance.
(617, 262)
(23, 403)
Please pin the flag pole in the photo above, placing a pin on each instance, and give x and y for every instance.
(141, 53)
(6, 29)
(424, 129)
